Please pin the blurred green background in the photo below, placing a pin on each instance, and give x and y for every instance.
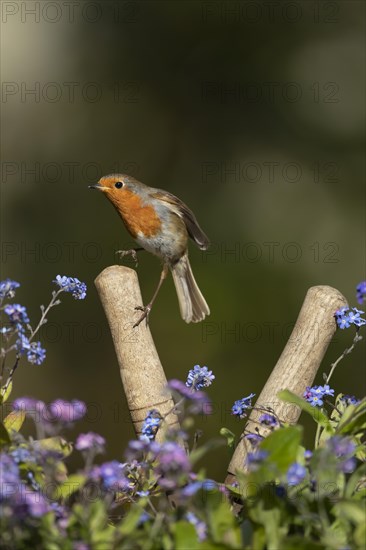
(252, 113)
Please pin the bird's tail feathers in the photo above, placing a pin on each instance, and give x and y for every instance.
(193, 306)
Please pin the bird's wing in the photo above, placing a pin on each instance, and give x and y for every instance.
(180, 209)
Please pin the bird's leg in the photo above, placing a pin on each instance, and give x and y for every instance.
(146, 310)
(132, 252)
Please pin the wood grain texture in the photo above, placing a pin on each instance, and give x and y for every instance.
(142, 374)
(298, 364)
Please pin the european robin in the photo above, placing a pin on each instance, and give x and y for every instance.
(161, 224)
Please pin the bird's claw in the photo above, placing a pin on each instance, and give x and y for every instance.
(145, 315)
(132, 252)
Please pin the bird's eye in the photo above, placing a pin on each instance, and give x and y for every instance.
(118, 184)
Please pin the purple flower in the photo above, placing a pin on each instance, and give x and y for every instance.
(316, 401)
(200, 403)
(343, 448)
(315, 394)
(17, 314)
(361, 292)
(308, 455)
(36, 354)
(22, 344)
(7, 288)
(254, 439)
(73, 285)
(9, 471)
(346, 317)
(172, 465)
(66, 411)
(268, 420)
(89, 441)
(254, 460)
(296, 474)
(36, 504)
(112, 476)
(307, 393)
(151, 424)
(180, 388)
(242, 405)
(199, 377)
(327, 390)
(22, 455)
(355, 317)
(350, 400)
(32, 407)
(138, 449)
(192, 488)
(200, 526)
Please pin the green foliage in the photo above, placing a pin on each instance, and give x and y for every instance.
(158, 498)
(324, 509)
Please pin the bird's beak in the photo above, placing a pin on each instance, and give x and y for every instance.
(97, 186)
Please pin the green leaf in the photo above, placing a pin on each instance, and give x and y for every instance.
(354, 419)
(230, 438)
(300, 543)
(4, 436)
(360, 535)
(350, 510)
(5, 394)
(282, 446)
(73, 483)
(315, 412)
(221, 521)
(98, 518)
(57, 444)
(14, 420)
(355, 481)
(270, 518)
(130, 521)
(185, 535)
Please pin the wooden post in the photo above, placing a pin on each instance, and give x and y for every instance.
(298, 364)
(142, 374)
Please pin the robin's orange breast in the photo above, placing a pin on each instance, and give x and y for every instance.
(138, 216)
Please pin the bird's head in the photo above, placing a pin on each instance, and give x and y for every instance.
(112, 184)
(118, 188)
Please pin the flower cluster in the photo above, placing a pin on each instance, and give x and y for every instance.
(53, 417)
(7, 288)
(198, 400)
(151, 424)
(350, 400)
(315, 395)
(19, 329)
(242, 405)
(361, 292)
(111, 476)
(200, 526)
(268, 420)
(296, 474)
(199, 377)
(343, 448)
(117, 504)
(17, 315)
(172, 465)
(255, 459)
(346, 317)
(33, 350)
(90, 441)
(72, 285)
